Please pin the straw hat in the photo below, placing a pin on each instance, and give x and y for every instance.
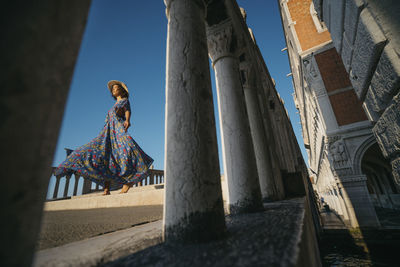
(112, 82)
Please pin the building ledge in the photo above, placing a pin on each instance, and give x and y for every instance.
(282, 235)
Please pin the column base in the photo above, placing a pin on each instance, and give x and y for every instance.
(195, 228)
(246, 206)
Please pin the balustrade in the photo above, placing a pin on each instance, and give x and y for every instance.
(154, 177)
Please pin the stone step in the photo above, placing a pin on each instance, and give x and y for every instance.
(131, 191)
(278, 236)
(137, 196)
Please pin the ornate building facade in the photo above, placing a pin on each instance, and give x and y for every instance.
(347, 168)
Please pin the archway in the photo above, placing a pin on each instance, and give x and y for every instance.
(384, 192)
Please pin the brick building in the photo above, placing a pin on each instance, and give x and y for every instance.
(346, 165)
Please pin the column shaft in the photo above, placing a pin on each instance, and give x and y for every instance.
(76, 185)
(193, 209)
(56, 187)
(264, 167)
(237, 146)
(67, 178)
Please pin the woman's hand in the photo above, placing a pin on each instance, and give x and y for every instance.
(127, 124)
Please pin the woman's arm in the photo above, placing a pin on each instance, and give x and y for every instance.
(127, 118)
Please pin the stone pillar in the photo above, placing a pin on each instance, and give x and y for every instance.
(193, 209)
(76, 185)
(360, 208)
(151, 178)
(87, 186)
(40, 43)
(342, 203)
(263, 160)
(314, 80)
(58, 178)
(237, 146)
(67, 179)
(274, 155)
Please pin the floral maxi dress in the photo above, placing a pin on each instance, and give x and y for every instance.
(112, 156)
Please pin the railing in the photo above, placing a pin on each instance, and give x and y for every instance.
(154, 177)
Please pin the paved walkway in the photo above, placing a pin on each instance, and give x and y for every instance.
(268, 238)
(62, 227)
(331, 220)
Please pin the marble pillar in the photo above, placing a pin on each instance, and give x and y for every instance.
(358, 201)
(271, 140)
(66, 187)
(237, 146)
(40, 43)
(55, 193)
(87, 186)
(76, 185)
(193, 209)
(263, 160)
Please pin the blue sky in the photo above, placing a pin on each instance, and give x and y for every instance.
(126, 40)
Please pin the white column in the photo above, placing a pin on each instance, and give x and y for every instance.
(193, 209)
(87, 186)
(263, 160)
(342, 203)
(360, 208)
(269, 133)
(67, 178)
(58, 178)
(76, 185)
(237, 146)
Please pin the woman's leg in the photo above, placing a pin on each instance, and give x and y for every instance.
(125, 188)
(106, 188)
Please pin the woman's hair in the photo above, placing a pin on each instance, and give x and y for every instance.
(124, 93)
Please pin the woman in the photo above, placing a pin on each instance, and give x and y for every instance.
(113, 158)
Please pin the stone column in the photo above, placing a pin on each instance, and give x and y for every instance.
(87, 186)
(342, 203)
(67, 178)
(76, 185)
(272, 149)
(237, 146)
(40, 43)
(360, 208)
(314, 81)
(58, 178)
(193, 209)
(264, 167)
(151, 178)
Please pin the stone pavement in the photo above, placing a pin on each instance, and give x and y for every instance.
(62, 227)
(97, 250)
(278, 236)
(330, 220)
(269, 238)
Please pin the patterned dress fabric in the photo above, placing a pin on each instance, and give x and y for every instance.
(112, 156)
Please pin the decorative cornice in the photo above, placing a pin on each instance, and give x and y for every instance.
(219, 40)
(200, 3)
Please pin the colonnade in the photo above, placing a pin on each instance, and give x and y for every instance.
(193, 209)
(66, 186)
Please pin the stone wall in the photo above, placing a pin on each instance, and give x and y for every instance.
(366, 34)
(334, 124)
